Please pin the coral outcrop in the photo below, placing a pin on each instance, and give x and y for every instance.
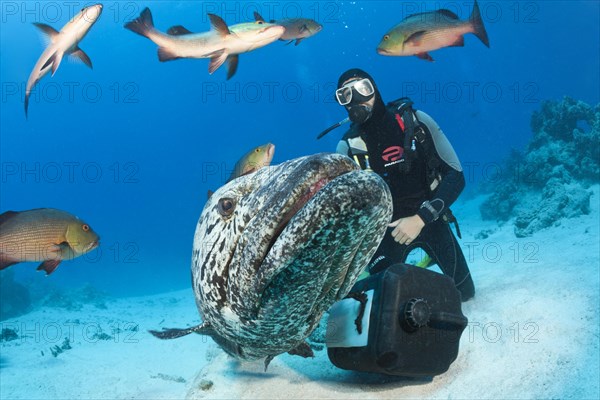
(550, 180)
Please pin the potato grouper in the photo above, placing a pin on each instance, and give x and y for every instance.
(274, 250)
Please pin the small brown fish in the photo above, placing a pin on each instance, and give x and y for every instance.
(296, 29)
(420, 33)
(254, 160)
(43, 234)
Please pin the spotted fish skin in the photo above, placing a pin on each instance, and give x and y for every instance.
(299, 236)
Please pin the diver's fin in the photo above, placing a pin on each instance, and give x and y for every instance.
(203, 329)
(425, 262)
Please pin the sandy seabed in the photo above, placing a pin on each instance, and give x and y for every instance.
(533, 333)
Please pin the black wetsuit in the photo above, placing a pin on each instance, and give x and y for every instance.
(384, 139)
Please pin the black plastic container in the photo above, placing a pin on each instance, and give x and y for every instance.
(415, 324)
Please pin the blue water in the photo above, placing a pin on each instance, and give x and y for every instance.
(133, 145)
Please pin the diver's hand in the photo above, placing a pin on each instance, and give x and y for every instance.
(407, 229)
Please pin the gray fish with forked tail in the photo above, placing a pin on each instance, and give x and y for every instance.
(296, 29)
(275, 249)
(60, 43)
(43, 234)
(222, 43)
(420, 33)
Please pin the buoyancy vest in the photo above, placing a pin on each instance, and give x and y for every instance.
(416, 134)
(418, 143)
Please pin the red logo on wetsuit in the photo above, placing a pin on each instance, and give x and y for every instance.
(392, 153)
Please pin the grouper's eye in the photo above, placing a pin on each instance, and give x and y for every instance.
(226, 206)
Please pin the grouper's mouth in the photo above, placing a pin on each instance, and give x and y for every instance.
(296, 206)
(299, 207)
(304, 184)
(280, 197)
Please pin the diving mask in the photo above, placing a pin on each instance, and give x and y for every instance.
(363, 87)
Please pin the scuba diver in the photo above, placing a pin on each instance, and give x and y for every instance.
(410, 152)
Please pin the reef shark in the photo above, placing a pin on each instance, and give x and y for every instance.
(222, 43)
(274, 250)
(60, 43)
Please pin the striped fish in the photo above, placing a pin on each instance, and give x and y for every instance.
(418, 34)
(43, 234)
